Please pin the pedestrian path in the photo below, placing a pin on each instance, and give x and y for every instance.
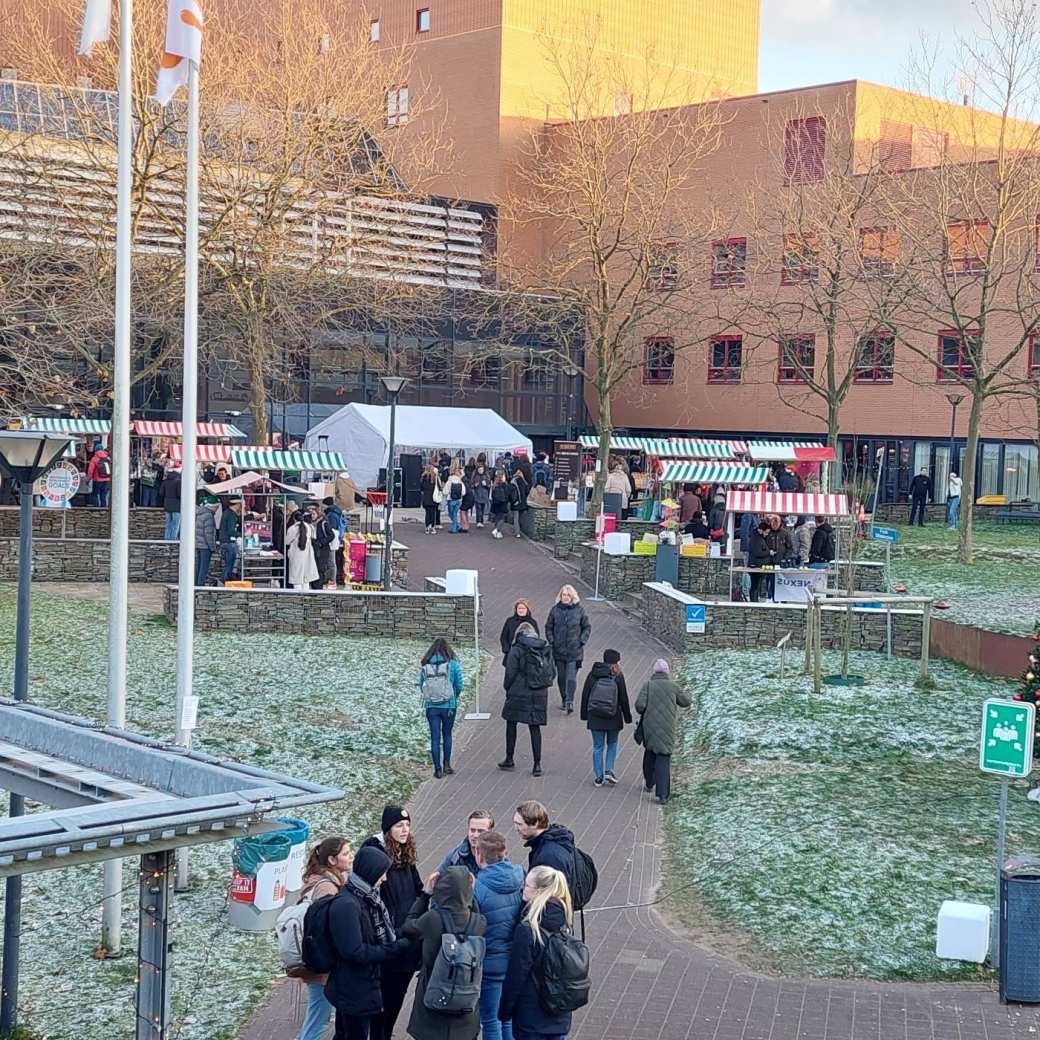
(650, 983)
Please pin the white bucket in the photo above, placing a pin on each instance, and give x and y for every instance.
(460, 582)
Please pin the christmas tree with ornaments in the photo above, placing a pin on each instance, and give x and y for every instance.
(1029, 691)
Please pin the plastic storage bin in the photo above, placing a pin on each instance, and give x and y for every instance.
(963, 931)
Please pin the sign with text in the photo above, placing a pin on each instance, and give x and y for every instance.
(696, 617)
(566, 460)
(884, 534)
(795, 586)
(58, 484)
(1007, 737)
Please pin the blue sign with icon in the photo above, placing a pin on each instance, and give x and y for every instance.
(696, 615)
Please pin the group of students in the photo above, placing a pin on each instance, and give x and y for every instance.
(475, 491)
(490, 944)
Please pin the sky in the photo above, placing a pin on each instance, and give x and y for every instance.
(804, 42)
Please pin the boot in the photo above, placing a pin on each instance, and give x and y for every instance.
(507, 763)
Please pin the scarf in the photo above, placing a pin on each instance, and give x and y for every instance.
(376, 909)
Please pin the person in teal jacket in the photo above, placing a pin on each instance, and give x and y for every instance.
(440, 680)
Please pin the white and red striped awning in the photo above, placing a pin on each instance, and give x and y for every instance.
(785, 502)
(152, 428)
(789, 451)
(203, 452)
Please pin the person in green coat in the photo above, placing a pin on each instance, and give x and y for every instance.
(658, 703)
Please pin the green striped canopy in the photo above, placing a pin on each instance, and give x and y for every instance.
(714, 473)
(59, 424)
(322, 461)
(668, 447)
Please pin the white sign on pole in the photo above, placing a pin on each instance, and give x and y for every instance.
(798, 586)
(190, 713)
(59, 484)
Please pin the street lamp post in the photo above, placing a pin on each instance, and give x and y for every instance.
(393, 385)
(954, 399)
(23, 458)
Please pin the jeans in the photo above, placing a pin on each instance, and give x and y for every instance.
(319, 1010)
(453, 514)
(202, 560)
(601, 739)
(953, 510)
(566, 680)
(350, 1027)
(441, 721)
(917, 506)
(490, 996)
(173, 527)
(657, 772)
(229, 551)
(480, 507)
(149, 496)
(100, 493)
(516, 524)
(500, 521)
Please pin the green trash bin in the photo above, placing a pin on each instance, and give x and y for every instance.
(298, 832)
(261, 864)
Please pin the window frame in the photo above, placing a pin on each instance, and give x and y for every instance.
(665, 374)
(941, 369)
(375, 31)
(662, 273)
(419, 18)
(799, 274)
(797, 134)
(876, 367)
(796, 377)
(398, 115)
(726, 277)
(1033, 357)
(727, 373)
(880, 266)
(966, 264)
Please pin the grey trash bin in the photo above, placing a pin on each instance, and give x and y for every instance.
(1020, 930)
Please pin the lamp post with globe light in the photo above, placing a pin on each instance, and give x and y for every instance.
(24, 457)
(393, 385)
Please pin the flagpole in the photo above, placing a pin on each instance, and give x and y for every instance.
(112, 906)
(189, 409)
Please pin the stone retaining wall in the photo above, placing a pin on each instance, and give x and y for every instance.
(401, 615)
(899, 512)
(747, 625)
(568, 535)
(146, 525)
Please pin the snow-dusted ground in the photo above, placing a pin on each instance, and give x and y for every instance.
(337, 710)
(830, 829)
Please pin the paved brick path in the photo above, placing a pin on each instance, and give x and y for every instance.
(650, 983)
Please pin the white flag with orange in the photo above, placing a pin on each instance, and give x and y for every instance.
(183, 44)
(97, 25)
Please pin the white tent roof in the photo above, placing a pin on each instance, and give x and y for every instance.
(361, 432)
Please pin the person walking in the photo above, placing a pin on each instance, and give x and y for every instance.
(521, 614)
(445, 905)
(302, 568)
(521, 489)
(953, 501)
(170, 500)
(99, 473)
(658, 706)
(548, 909)
(364, 941)
(440, 680)
(481, 485)
(430, 490)
(498, 893)
(567, 630)
(501, 498)
(325, 873)
(605, 708)
(205, 537)
(464, 854)
(400, 890)
(227, 536)
(528, 676)
(454, 493)
(920, 491)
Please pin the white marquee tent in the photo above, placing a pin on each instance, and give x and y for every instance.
(361, 432)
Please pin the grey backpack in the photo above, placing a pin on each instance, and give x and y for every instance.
(453, 986)
(437, 688)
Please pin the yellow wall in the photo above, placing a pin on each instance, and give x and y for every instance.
(701, 49)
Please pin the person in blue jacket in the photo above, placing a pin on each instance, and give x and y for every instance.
(499, 894)
(440, 680)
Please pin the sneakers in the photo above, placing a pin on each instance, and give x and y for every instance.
(448, 771)
(481, 524)
(518, 536)
(537, 771)
(570, 710)
(507, 763)
(496, 534)
(609, 775)
(598, 782)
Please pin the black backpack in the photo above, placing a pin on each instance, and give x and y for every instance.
(319, 954)
(563, 978)
(104, 468)
(456, 491)
(539, 667)
(584, 881)
(603, 698)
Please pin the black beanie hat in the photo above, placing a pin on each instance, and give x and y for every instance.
(611, 657)
(393, 814)
(370, 864)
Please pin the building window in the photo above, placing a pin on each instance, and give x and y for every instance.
(956, 356)
(805, 144)
(397, 106)
(538, 372)
(879, 251)
(895, 148)
(875, 358)
(422, 20)
(373, 31)
(967, 243)
(663, 269)
(658, 360)
(1034, 357)
(728, 262)
(800, 261)
(725, 359)
(797, 358)
(435, 365)
(485, 371)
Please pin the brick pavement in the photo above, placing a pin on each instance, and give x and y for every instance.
(650, 983)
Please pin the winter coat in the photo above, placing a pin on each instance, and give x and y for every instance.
(399, 892)
(468, 501)
(759, 552)
(93, 473)
(787, 480)
(205, 528)
(481, 484)
(460, 856)
(748, 523)
(779, 542)
(822, 548)
(509, 630)
(717, 517)
(454, 479)
(658, 702)
(501, 499)
(616, 723)
(302, 568)
(523, 704)
(698, 528)
(230, 527)
(520, 1002)
(920, 487)
(499, 894)
(554, 847)
(618, 484)
(454, 676)
(278, 529)
(689, 504)
(427, 486)
(337, 519)
(567, 630)
(353, 985)
(169, 492)
(521, 489)
(452, 894)
(802, 537)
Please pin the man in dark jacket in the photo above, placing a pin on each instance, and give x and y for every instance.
(170, 500)
(605, 689)
(338, 522)
(760, 554)
(363, 940)
(464, 854)
(920, 490)
(821, 550)
(567, 630)
(551, 845)
(205, 537)
(230, 529)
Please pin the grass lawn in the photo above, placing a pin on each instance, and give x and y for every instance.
(826, 832)
(341, 711)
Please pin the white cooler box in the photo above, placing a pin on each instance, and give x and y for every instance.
(963, 932)
(617, 543)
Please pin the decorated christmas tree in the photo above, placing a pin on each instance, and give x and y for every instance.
(1029, 683)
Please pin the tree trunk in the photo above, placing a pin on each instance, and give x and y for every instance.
(966, 524)
(257, 391)
(832, 442)
(606, 428)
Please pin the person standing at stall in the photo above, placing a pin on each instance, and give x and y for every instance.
(230, 529)
(170, 500)
(302, 568)
(759, 555)
(205, 536)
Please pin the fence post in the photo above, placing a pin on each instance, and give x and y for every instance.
(926, 638)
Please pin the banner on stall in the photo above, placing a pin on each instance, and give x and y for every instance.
(796, 586)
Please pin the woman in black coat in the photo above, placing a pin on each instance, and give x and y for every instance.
(604, 728)
(567, 630)
(524, 704)
(521, 614)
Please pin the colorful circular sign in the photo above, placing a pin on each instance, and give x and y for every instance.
(59, 483)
